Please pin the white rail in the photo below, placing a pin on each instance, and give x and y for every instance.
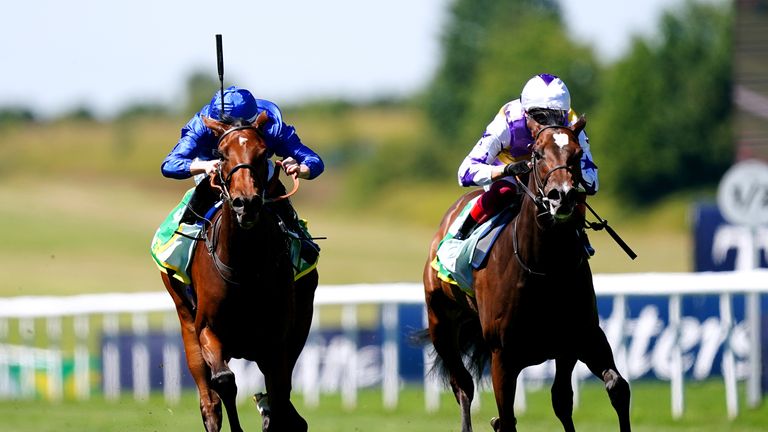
(21, 351)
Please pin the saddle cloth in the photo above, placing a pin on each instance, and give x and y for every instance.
(455, 260)
(173, 244)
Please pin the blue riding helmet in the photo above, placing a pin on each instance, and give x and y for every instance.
(238, 103)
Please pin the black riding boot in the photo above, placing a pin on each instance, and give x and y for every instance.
(202, 200)
(466, 228)
(290, 220)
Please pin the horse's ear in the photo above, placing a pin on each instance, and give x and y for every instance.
(216, 126)
(578, 127)
(260, 120)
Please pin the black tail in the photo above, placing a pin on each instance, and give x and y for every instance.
(472, 348)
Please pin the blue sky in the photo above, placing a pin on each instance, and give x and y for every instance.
(106, 55)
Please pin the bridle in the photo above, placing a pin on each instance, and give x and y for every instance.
(225, 180)
(538, 198)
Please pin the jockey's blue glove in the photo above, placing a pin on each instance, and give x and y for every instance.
(516, 169)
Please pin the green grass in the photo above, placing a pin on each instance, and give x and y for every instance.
(705, 411)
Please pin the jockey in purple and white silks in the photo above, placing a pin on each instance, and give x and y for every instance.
(507, 140)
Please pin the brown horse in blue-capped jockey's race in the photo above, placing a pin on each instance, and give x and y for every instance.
(245, 302)
(534, 300)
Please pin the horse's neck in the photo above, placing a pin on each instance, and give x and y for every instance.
(541, 243)
(253, 242)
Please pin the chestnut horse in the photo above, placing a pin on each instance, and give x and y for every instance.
(246, 304)
(533, 301)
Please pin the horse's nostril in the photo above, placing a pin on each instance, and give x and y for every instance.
(554, 195)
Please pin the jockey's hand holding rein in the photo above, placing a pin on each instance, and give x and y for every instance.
(204, 166)
(291, 167)
(510, 170)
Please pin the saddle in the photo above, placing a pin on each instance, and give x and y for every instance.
(455, 260)
(173, 244)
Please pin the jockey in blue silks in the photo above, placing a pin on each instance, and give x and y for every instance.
(195, 153)
(506, 144)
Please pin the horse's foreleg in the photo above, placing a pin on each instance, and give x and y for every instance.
(222, 378)
(562, 392)
(504, 387)
(599, 359)
(305, 295)
(282, 416)
(210, 403)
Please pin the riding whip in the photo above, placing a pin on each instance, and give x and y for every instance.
(220, 61)
(602, 223)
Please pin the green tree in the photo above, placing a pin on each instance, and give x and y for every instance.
(664, 121)
(490, 49)
(200, 87)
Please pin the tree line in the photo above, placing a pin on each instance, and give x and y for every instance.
(659, 118)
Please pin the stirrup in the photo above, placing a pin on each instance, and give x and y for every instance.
(466, 228)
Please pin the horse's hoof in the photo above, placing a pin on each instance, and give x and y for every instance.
(262, 403)
(495, 423)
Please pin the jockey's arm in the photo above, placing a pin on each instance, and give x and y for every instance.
(179, 162)
(478, 168)
(297, 157)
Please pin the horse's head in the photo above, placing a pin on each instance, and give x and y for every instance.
(557, 166)
(243, 173)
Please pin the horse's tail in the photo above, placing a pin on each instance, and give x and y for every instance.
(472, 348)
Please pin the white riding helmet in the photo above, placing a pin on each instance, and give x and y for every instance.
(545, 91)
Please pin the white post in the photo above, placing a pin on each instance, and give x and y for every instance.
(676, 379)
(753, 317)
(27, 361)
(111, 359)
(5, 361)
(729, 362)
(349, 384)
(140, 357)
(53, 363)
(82, 358)
(576, 386)
(521, 402)
(475, 405)
(171, 359)
(310, 365)
(389, 355)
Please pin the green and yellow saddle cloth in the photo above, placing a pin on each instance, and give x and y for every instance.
(174, 243)
(457, 259)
